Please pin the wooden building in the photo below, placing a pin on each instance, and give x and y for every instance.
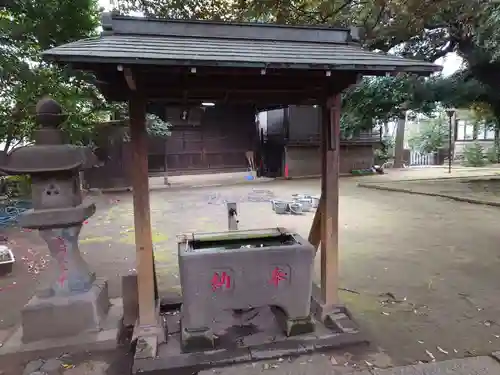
(214, 139)
(206, 139)
(292, 143)
(203, 139)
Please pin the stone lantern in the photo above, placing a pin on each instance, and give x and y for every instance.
(76, 301)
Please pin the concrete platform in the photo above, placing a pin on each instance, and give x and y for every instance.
(322, 366)
(13, 349)
(252, 336)
(466, 366)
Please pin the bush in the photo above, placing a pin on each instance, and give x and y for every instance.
(16, 186)
(474, 155)
(432, 135)
(384, 153)
(493, 154)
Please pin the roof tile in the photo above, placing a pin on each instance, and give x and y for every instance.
(178, 50)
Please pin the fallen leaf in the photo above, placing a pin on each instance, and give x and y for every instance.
(431, 356)
(333, 361)
(388, 294)
(442, 350)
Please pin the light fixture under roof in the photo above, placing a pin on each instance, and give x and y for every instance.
(207, 104)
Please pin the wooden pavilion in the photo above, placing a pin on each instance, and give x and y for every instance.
(184, 63)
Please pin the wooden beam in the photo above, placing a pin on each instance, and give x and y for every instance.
(315, 231)
(181, 88)
(239, 72)
(142, 219)
(129, 78)
(330, 146)
(252, 84)
(257, 99)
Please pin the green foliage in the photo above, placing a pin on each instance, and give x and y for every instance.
(431, 136)
(488, 33)
(385, 152)
(18, 186)
(383, 99)
(155, 125)
(26, 28)
(381, 156)
(474, 155)
(493, 154)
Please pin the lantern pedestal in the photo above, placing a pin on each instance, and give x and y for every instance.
(66, 316)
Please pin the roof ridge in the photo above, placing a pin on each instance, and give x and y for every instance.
(233, 39)
(113, 23)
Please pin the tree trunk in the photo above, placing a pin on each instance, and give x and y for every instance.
(399, 142)
(497, 142)
(496, 112)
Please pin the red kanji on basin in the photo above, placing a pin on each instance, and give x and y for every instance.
(278, 275)
(221, 280)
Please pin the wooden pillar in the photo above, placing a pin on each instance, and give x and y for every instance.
(329, 219)
(315, 232)
(142, 218)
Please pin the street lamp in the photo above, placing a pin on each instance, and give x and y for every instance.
(450, 112)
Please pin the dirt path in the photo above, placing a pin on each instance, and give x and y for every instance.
(421, 271)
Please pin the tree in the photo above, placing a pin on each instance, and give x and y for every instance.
(155, 126)
(431, 135)
(488, 33)
(379, 100)
(28, 27)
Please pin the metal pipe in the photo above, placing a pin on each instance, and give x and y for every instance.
(450, 112)
(450, 142)
(232, 222)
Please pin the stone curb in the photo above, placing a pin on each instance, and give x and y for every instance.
(409, 191)
(441, 178)
(175, 187)
(316, 176)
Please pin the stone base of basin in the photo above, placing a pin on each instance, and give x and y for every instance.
(252, 336)
(65, 316)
